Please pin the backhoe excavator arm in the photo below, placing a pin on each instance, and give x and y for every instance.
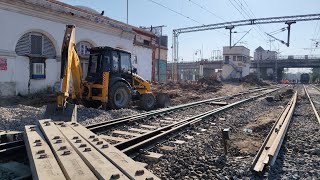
(70, 64)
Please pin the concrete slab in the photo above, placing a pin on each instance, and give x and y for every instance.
(112, 138)
(167, 122)
(9, 136)
(149, 127)
(167, 148)
(70, 162)
(126, 133)
(43, 164)
(139, 130)
(178, 142)
(156, 124)
(126, 165)
(152, 156)
(93, 158)
(142, 164)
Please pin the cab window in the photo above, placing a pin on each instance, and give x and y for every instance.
(106, 63)
(125, 62)
(93, 63)
(115, 62)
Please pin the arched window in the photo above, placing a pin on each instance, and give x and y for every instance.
(83, 47)
(83, 52)
(34, 43)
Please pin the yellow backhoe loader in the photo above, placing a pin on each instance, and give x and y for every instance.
(111, 82)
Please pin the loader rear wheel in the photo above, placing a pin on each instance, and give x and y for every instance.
(91, 104)
(119, 96)
(147, 101)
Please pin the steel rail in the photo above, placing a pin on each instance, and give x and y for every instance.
(311, 102)
(9, 147)
(133, 146)
(270, 148)
(103, 126)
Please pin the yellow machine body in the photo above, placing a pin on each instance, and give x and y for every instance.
(110, 81)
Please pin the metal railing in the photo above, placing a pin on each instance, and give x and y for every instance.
(292, 57)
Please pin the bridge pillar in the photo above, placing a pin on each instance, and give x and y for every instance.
(278, 76)
(264, 74)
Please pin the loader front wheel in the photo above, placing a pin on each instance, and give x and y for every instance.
(119, 96)
(147, 101)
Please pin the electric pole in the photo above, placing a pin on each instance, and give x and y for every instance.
(127, 11)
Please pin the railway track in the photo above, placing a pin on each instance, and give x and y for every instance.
(125, 132)
(103, 126)
(12, 147)
(137, 141)
(149, 138)
(270, 148)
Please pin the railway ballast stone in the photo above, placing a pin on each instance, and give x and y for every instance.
(15, 117)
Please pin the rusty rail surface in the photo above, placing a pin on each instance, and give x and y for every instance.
(311, 102)
(270, 148)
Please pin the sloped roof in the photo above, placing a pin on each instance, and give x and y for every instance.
(85, 13)
(259, 49)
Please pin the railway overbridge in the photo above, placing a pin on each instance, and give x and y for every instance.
(272, 69)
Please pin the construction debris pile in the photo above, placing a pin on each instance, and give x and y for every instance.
(182, 92)
(252, 79)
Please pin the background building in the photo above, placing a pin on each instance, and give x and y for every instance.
(32, 34)
(236, 62)
(261, 54)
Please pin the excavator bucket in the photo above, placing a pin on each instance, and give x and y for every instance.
(163, 100)
(67, 114)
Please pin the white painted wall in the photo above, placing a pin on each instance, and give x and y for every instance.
(14, 25)
(236, 50)
(144, 59)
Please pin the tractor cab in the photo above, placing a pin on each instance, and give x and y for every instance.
(106, 59)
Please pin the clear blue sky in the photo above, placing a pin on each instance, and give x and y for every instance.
(147, 13)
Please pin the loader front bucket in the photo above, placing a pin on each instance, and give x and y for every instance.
(68, 114)
(163, 100)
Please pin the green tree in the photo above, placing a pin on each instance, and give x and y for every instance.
(315, 75)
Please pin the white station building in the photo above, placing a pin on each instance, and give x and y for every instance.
(31, 37)
(236, 62)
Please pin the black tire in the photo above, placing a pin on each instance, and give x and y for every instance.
(147, 101)
(119, 96)
(91, 104)
(163, 100)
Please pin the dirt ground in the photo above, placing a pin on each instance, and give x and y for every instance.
(187, 92)
(249, 140)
